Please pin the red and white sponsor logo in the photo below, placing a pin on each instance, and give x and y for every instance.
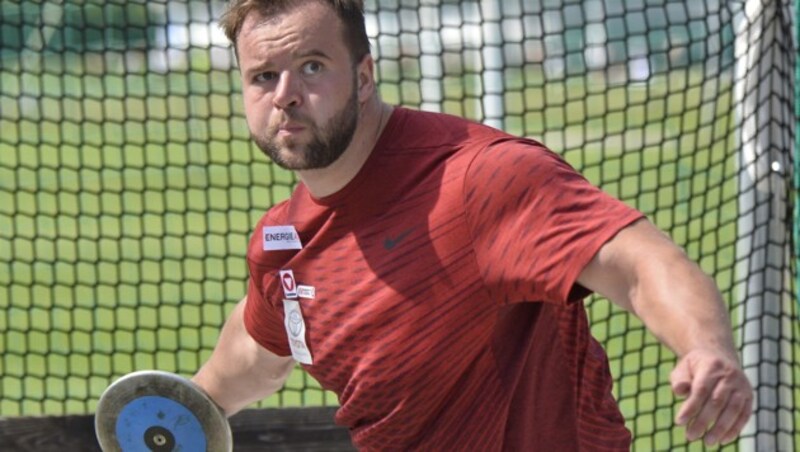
(288, 283)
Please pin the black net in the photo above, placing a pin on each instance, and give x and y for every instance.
(129, 186)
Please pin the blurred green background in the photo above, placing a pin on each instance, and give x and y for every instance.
(129, 187)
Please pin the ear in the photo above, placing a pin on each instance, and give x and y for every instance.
(365, 73)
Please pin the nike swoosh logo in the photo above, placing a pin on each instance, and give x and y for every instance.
(392, 242)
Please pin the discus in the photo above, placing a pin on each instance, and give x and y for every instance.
(155, 411)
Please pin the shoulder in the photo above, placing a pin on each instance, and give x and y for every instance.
(509, 158)
(274, 216)
(413, 130)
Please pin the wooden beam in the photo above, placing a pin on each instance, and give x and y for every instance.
(289, 429)
(274, 429)
(51, 433)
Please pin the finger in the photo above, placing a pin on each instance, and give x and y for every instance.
(726, 418)
(740, 422)
(701, 389)
(681, 379)
(709, 411)
(705, 401)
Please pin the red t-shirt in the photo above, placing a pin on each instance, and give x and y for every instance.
(446, 314)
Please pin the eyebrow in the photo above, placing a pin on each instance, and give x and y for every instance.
(306, 54)
(313, 52)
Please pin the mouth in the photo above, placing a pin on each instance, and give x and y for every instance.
(288, 129)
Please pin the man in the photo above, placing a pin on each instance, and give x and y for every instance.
(430, 271)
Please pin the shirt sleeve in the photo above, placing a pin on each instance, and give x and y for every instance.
(536, 222)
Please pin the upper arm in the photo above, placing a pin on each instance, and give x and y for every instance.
(274, 366)
(240, 371)
(535, 222)
(636, 253)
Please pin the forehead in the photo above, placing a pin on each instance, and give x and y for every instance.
(307, 24)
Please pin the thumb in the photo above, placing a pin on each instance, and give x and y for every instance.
(681, 378)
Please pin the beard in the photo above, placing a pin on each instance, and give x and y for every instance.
(327, 142)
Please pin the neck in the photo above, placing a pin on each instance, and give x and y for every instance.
(327, 181)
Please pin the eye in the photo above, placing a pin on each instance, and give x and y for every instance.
(265, 77)
(312, 67)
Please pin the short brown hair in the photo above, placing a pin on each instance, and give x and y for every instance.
(350, 12)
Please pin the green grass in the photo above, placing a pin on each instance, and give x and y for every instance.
(126, 202)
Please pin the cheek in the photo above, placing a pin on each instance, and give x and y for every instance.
(328, 102)
(257, 110)
(251, 116)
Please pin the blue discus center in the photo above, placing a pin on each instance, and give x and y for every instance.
(145, 412)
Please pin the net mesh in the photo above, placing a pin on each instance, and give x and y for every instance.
(129, 186)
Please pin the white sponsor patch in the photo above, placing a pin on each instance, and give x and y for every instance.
(277, 238)
(296, 332)
(306, 291)
(288, 284)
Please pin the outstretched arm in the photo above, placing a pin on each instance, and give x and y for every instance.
(643, 271)
(240, 371)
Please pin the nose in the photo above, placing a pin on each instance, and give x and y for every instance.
(287, 92)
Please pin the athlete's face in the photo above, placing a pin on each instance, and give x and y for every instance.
(299, 85)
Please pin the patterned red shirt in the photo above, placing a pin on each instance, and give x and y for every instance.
(446, 313)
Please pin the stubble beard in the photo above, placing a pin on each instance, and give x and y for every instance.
(326, 145)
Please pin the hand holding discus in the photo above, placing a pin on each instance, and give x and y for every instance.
(160, 412)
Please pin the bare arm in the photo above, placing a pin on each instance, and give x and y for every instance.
(643, 271)
(240, 371)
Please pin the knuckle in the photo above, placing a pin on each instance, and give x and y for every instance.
(739, 399)
(717, 400)
(702, 390)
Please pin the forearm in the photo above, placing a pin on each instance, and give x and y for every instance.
(681, 305)
(643, 271)
(240, 371)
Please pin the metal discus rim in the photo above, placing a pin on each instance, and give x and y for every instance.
(144, 383)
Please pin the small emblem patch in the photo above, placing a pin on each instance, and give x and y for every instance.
(306, 291)
(288, 284)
